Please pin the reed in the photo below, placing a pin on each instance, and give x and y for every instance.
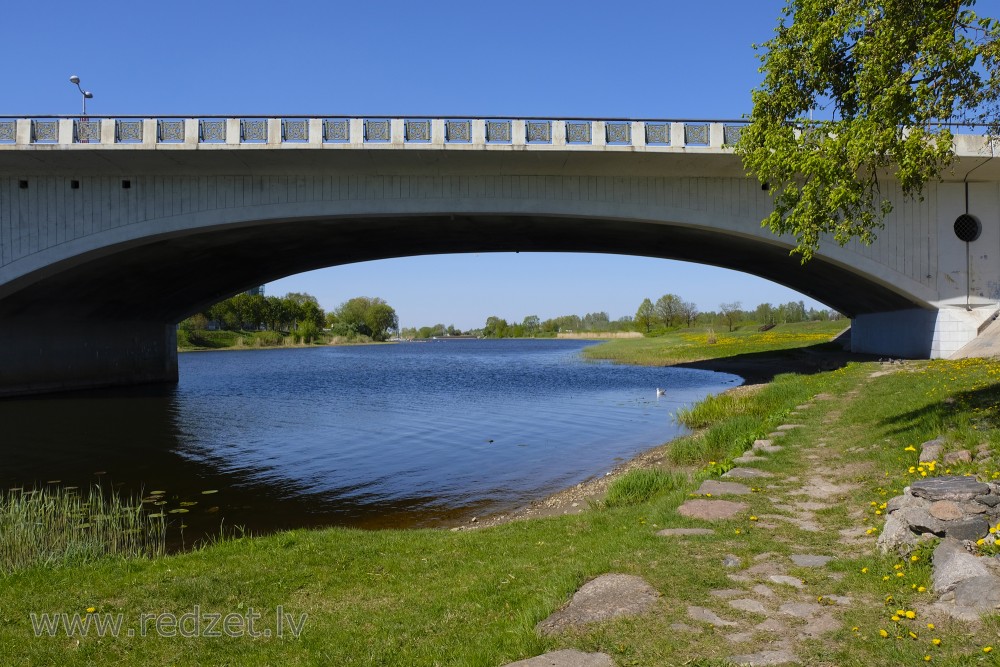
(55, 527)
(642, 484)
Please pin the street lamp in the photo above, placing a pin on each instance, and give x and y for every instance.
(86, 93)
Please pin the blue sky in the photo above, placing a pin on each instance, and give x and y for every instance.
(639, 59)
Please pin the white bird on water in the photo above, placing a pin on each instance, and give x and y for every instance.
(660, 392)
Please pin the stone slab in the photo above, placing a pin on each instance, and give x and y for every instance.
(747, 473)
(746, 604)
(711, 510)
(971, 528)
(786, 580)
(809, 560)
(763, 658)
(717, 488)
(953, 564)
(566, 658)
(684, 532)
(946, 510)
(950, 487)
(608, 596)
(708, 616)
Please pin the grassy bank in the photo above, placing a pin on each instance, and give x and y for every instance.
(695, 344)
(428, 597)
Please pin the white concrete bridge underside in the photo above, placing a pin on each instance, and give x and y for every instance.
(103, 250)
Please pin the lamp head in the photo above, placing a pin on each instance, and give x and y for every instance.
(75, 79)
(89, 95)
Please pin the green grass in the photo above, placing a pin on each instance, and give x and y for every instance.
(428, 597)
(693, 344)
(642, 485)
(55, 527)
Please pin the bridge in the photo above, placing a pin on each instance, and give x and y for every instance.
(113, 229)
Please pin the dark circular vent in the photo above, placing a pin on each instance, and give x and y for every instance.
(967, 228)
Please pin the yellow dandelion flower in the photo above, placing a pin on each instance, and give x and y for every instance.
(753, 518)
(900, 574)
(883, 633)
(936, 641)
(855, 629)
(913, 635)
(927, 658)
(914, 558)
(911, 614)
(987, 649)
(886, 578)
(91, 610)
(921, 589)
(910, 448)
(897, 566)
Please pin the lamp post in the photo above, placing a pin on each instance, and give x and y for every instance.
(86, 93)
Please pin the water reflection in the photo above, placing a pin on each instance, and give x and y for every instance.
(372, 436)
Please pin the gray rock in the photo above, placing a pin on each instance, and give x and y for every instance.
(729, 560)
(931, 450)
(950, 487)
(685, 532)
(747, 604)
(788, 427)
(989, 501)
(920, 521)
(717, 488)
(607, 596)
(772, 625)
(906, 500)
(807, 560)
(762, 658)
(746, 473)
(566, 658)
(979, 593)
(953, 564)
(786, 580)
(971, 528)
(749, 458)
(711, 510)
(763, 591)
(821, 625)
(708, 616)
(896, 536)
(971, 506)
(800, 609)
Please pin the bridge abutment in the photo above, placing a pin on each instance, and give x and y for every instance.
(918, 333)
(39, 356)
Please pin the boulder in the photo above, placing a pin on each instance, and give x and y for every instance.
(952, 564)
(979, 593)
(906, 500)
(896, 536)
(931, 450)
(920, 520)
(961, 456)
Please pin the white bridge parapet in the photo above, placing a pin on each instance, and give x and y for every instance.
(262, 132)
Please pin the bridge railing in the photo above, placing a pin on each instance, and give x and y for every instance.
(368, 131)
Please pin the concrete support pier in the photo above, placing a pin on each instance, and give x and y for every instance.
(45, 356)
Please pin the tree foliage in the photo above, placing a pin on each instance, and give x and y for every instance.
(890, 74)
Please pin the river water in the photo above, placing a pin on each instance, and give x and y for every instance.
(415, 434)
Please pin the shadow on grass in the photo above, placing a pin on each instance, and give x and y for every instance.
(965, 408)
(758, 367)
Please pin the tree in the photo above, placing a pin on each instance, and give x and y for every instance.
(731, 312)
(891, 74)
(381, 320)
(689, 312)
(531, 325)
(668, 308)
(645, 315)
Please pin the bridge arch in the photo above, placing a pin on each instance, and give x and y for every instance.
(104, 247)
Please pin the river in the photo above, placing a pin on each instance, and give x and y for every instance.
(414, 434)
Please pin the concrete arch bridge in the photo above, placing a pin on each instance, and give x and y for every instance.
(114, 229)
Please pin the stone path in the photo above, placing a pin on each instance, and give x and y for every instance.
(774, 601)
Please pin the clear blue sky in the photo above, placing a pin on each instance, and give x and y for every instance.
(655, 59)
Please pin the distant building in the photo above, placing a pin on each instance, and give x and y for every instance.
(255, 291)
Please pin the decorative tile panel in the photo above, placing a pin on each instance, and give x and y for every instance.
(170, 131)
(539, 131)
(695, 135)
(459, 130)
(731, 134)
(418, 130)
(619, 132)
(87, 131)
(8, 131)
(578, 133)
(658, 133)
(43, 131)
(337, 131)
(295, 130)
(253, 130)
(128, 131)
(377, 130)
(498, 131)
(212, 131)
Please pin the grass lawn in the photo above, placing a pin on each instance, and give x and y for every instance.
(437, 597)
